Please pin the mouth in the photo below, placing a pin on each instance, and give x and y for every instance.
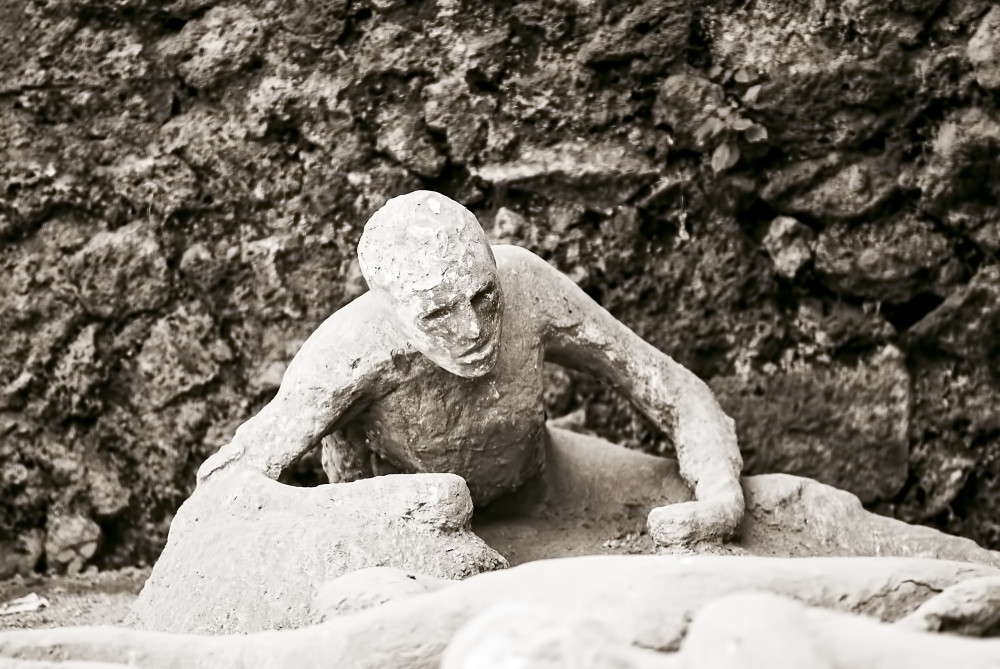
(478, 352)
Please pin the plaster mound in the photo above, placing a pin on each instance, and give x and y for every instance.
(246, 553)
(799, 517)
(596, 496)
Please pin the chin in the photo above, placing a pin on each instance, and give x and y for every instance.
(469, 370)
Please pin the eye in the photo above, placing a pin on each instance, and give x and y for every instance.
(485, 293)
(434, 314)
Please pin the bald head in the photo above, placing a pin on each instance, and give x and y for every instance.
(413, 241)
(430, 257)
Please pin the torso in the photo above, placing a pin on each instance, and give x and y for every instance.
(489, 430)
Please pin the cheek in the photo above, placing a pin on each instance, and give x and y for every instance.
(493, 317)
(426, 336)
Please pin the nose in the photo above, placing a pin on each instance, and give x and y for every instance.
(470, 322)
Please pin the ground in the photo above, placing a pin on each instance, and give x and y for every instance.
(101, 598)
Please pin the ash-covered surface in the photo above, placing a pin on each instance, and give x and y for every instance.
(797, 203)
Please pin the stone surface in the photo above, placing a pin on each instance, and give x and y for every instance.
(219, 44)
(891, 262)
(121, 272)
(983, 50)
(966, 324)
(181, 353)
(21, 556)
(823, 414)
(959, 183)
(404, 140)
(685, 103)
(293, 539)
(70, 541)
(832, 188)
(140, 132)
(596, 175)
(656, 31)
(790, 245)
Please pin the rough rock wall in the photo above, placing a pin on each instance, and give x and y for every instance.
(795, 199)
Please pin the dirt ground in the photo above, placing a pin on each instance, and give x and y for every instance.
(102, 598)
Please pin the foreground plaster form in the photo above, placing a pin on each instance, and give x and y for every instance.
(751, 630)
(646, 600)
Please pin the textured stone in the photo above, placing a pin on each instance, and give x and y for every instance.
(404, 139)
(317, 22)
(650, 29)
(121, 272)
(983, 50)
(101, 130)
(181, 353)
(790, 245)
(846, 425)
(21, 555)
(967, 323)
(76, 375)
(890, 262)
(959, 184)
(157, 184)
(108, 497)
(462, 117)
(685, 102)
(838, 83)
(220, 44)
(600, 176)
(831, 188)
(953, 412)
(70, 540)
(290, 540)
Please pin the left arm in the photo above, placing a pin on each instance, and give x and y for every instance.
(580, 334)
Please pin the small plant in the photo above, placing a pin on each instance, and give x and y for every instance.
(726, 121)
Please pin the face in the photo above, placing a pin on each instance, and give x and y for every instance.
(457, 322)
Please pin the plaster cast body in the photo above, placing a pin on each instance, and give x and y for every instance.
(439, 369)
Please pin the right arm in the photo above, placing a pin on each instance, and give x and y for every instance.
(326, 378)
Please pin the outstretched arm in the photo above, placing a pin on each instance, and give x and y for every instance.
(325, 379)
(580, 334)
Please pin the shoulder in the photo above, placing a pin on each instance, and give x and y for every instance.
(518, 261)
(542, 292)
(352, 344)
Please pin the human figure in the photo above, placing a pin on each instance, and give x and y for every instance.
(438, 368)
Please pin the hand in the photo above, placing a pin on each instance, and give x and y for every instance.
(689, 524)
(221, 459)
